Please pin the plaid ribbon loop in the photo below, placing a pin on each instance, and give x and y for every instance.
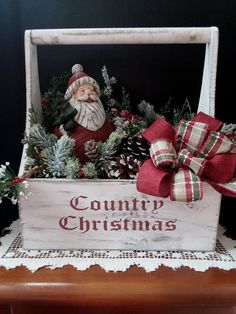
(191, 135)
(216, 143)
(183, 159)
(163, 153)
(187, 159)
(186, 186)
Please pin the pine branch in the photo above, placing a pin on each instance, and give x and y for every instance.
(108, 149)
(59, 82)
(185, 112)
(109, 81)
(56, 111)
(72, 168)
(33, 116)
(55, 157)
(148, 112)
(124, 103)
(125, 100)
(89, 170)
(39, 138)
(166, 110)
(110, 146)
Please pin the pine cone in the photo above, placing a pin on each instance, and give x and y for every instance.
(123, 167)
(91, 150)
(135, 146)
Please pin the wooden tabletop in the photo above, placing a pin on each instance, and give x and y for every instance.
(101, 292)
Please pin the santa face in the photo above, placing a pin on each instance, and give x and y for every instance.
(84, 92)
(91, 114)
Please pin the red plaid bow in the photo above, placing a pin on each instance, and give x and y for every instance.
(179, 161)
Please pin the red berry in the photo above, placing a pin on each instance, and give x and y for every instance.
(126, 114)
(44, 101)
(18, 180)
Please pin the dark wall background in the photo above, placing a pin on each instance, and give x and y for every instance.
(151, 72)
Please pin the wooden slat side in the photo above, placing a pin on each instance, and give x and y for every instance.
(207, 94)
(99, 215)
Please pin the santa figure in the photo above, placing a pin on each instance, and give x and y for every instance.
(90, 122)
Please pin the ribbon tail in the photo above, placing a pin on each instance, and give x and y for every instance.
(153, 181)
(227, 189)
(220, 168)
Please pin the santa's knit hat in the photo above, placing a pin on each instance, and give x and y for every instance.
(77, 79)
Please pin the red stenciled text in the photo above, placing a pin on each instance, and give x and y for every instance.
(84, 225)
(82, 202)
(116, 215)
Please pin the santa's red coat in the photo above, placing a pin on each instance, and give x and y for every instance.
(82, 135)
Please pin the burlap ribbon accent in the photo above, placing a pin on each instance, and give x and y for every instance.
(181, 160)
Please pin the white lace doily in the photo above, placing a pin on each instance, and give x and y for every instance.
(12, 254)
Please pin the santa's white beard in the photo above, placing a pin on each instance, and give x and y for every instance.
(91, 115)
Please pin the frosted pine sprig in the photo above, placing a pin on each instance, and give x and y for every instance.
(72, 168)
(107, 149)
(11, 186)
(39, 138)
(109, 81)
(55, 157)
(89, 170)
(110, 146)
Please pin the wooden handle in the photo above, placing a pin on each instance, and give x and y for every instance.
(122, 36)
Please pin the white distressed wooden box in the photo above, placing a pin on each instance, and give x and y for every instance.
(112, 214)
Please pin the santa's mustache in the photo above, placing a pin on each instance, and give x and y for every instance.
(88, 97)
(90, 114)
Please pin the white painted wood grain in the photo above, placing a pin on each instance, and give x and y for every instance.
(95, 36)
(33, 94)
(196, 223)
(207, 95)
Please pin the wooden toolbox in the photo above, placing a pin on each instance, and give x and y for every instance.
(112, 214)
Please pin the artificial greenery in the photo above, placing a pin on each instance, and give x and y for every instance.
(184, 112)
(39, 138)
(148, 112)
(124, 103)
(109, 81)
(119, 157)
(89, 170)
(36, 141)
(49, 156)
(11, 186)
(59, 158)
(107, 150)
(55, 109)
(175, 114)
